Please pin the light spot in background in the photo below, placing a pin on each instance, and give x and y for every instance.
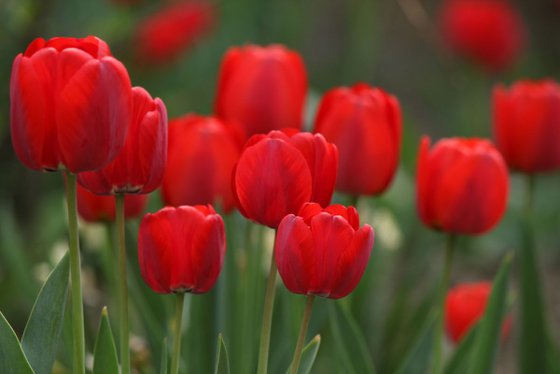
(387, 230)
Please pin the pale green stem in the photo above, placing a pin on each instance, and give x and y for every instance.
(123, 286)
(177, 328)
(302, 332)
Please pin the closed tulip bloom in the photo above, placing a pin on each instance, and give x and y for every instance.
(70, 104)
(181, 249)
(464, 306)
(96, 208)
(139, 166)
(323, 252)
(365, 125)
(277, 173)
(462, 185)
(262, 88)
(488, 32)
(166, 34)
(527, 125)
(201, 155)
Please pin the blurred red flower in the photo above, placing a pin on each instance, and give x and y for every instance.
(201, 155)
(462, 185)
(488, 32)
(262, 88)
(323, 252)
(464, 306)
(277, 173)
(181, 249)
(166, 34)
(527, 125)
(70, 104)
(365, 125)
(96, 208)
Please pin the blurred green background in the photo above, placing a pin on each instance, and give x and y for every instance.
(386, 43)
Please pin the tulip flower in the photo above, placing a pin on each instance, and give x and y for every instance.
(527, 125)
(202, 152)
(166, 34)
(365, 125)
(96, 208)
(181, 250)
(139, 166)
(277, 173)
(70, 104)
(262, 88)
(462, 185)
(488, 32)
(464, 306)
(321, 252)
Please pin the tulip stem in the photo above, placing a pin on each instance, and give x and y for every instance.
(444, 285)
(267, 316)
(302, 332)
(75, 276)
(123, 286)
(177, 342)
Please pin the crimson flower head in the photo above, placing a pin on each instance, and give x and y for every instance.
(70, 104)
(365, 125)
(262, 88)
(527, 125)
(277, 173)
(488, 32)
(323, 252)
(96, 208)
(181, 249)
(166, 34)
(462, 185)
(464, 306)
(202, 152)
(139, 166)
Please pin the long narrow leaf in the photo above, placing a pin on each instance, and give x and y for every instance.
(417, 360)
(459, 361)
(12, 359)
(105, 359)
(222, 358)
(308, 356)
(163, 365)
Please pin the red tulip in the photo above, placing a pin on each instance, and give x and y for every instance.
(202, 154)
(527, 125)
(139, 166)
(280, 171)
(462, 185)
(489, 32)
(70, 104)
(323, 252)
(95, 208)
(464, 306)
(262, 88)
(166, 34)
(365, 125)
(181, 249)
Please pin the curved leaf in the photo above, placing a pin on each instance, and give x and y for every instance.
(460, 359)
(105, 359)
(308, 355)
(222, 358)
(417, 360)
(12, 359)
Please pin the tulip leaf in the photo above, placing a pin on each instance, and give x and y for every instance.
(12, 358)
(490, 326)
(222, 358)
(163, 365)
(43, 329)
(349, 340)
(308, 355)
(417, 360)
(460, 360)
(105, 359)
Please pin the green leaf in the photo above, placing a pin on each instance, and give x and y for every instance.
(417, 360)
(308, 355)
(460, 359)
(163, 365)
(490, 326)
(105, 359)
(222, 359)
(42, 332)
(12, 359)
(350, 342)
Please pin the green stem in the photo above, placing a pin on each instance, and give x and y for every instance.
(437, 357)
(267, 316)
(302, 332)
(75, 276)
(177, 342)
(123, 286)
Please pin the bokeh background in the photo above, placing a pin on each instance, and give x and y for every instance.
(394, 44)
